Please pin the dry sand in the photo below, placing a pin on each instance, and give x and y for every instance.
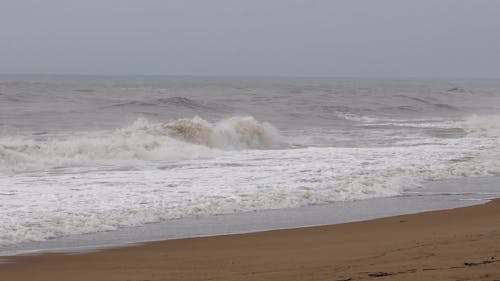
(459, 244)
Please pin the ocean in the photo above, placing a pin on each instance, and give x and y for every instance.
(92, 154)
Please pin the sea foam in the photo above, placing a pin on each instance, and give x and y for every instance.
(233, 170)
(141, 141)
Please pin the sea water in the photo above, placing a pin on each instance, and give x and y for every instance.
(81, 154)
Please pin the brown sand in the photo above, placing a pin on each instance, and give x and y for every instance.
(459, 244)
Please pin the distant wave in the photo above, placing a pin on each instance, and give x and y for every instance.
(426, 101)
(457, 90)
(143, 140)
(474, 126)
(402, 108)
(169, 101)
(355, 117)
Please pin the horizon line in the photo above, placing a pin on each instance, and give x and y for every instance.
(248, 76)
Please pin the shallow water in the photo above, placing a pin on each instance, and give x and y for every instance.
(431, 196)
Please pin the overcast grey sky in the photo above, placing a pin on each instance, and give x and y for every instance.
(371, 38)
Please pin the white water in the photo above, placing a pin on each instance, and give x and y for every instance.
(55, 185)
(135, 144)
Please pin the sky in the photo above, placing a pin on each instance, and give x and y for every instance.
(325, 38)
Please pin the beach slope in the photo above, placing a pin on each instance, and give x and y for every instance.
(458, 244)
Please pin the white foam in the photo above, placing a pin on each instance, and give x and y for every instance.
(380, 121)
(483, 126)
(231, 133)
(355, 117)
(49, 203)
(142, 141)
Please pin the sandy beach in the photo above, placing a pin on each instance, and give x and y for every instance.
(249, 140)
(458, 244)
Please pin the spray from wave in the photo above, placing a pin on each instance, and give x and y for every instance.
(142, 141)
(484, 126)
(232, 133)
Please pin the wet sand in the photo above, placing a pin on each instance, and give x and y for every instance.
(458, 244)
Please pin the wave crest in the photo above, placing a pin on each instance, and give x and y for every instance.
(483, 126)
(141, 141)
(232, 133)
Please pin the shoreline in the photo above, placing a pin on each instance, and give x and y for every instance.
(438, 195)
(455, 244)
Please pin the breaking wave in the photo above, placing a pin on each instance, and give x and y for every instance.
(232, 133)
(142, 141)
(484, 126)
